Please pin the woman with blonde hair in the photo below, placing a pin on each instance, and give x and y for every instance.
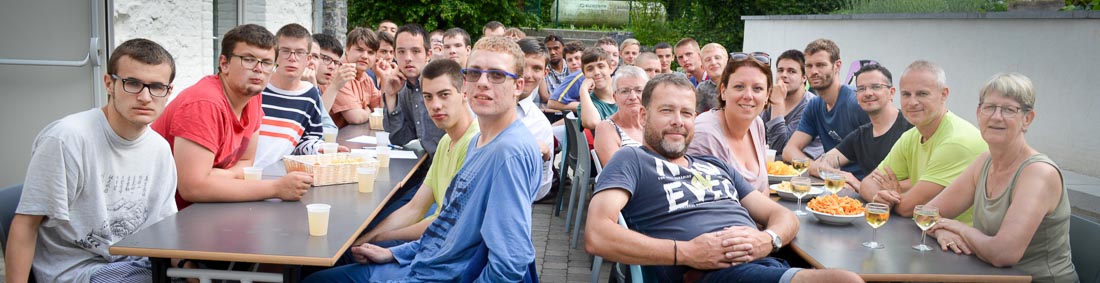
(1021, 209)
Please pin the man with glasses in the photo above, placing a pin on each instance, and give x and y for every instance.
(213, 126)
(834, 113)
(405, 117)
(359, 96)
(96, 177)
(786, 102)
(929, 156)
(488, 204)
(292, 108)
(330, 74)
(870, 143)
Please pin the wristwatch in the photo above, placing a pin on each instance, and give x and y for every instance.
(776, 241)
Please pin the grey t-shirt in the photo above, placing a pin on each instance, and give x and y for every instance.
(672, 202)
(94, 188)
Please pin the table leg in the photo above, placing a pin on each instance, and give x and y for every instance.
(160, 269)
(291, 273)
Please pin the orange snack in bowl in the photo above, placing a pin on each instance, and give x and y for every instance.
(780, 168)
(832, 204)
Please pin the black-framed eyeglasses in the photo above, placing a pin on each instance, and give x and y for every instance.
(495, 76)
(249, 62)
(874, 87)
(759, 56)
(327, 60)
(135, 86)
(1006, 111)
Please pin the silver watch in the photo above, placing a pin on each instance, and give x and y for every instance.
(776, 241)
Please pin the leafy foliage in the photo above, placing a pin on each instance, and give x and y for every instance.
(470, 15)
(921, 6)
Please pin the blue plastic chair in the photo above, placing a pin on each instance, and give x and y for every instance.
(635, 270)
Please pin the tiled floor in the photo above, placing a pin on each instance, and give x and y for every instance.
(556, 261)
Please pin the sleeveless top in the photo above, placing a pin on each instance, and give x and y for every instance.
(625, 139)
(1047, 257)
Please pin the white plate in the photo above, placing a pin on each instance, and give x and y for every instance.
(835, 219)
(787, 195)
(780, 178)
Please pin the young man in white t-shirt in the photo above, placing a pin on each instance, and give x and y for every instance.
(96, 177)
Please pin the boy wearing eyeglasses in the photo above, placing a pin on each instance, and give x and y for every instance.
(330, 73)
(213, 126)
(96, 177)
(292, 107)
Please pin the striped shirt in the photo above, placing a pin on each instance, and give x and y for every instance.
(291, 125)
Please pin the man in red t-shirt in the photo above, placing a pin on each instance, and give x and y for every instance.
(213, 126)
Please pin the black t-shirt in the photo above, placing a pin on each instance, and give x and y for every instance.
(867, 150)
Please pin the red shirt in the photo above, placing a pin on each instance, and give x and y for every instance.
(202, 114)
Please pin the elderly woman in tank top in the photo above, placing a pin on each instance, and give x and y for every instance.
(1021, 210)
(734, 132)
(624, 128)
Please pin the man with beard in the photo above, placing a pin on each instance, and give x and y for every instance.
(692, 217)
(834, 113)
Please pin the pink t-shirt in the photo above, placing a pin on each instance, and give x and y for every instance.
(201, 114)
(356, 94)
(710, 140)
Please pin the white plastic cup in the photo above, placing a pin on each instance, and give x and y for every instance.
(376, 119)
(366, 178)
(383, 152)
(318, 218)
(382, 138)
(360, 155)
(330, 135)
(771, 155)
(253, 173)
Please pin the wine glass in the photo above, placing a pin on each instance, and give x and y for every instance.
(877, 214)
(925, 216)
(834, 179)
(801, 164)
(800, 186)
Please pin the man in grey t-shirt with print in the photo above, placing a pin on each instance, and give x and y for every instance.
(96, 177)
(690, 216)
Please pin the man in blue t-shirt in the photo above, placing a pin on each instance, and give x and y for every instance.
(502, 166)
(692, 217)
(834, 113)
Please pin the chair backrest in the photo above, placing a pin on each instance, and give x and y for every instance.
(9, 199)
(1082, 241)
(571, 137)
(579, 149)
(596, 162)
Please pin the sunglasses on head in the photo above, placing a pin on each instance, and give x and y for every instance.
(759, 56)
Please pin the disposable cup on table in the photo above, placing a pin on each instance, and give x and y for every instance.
(329, 135)
(253, 173)
(383, 152)
(318, 218)
(366, 178)
(771, 155)
(382, 138)
(328, 151)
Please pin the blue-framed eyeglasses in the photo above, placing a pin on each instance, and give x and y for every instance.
(495, 76)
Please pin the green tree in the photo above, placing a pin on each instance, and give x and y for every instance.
(470, 15)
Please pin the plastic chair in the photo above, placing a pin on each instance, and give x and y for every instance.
(568, 160)
(635, 270)
(581, 181)
(1082, 241)
(9, 200)
(596, 163)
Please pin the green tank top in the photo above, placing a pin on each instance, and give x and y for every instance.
(1047, 257)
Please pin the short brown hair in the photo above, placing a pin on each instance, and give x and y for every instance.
(504, 45)
(673, 79)
(251, 34)
(294, 31)
(826, 45)
(360, 34)
(685, 41)
(144, 51)
(735, 64)
(444, 67)
(607, 40)
(573, 46)
(593, 54)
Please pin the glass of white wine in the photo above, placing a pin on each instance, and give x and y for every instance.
(801, 164)
(926, 216)
(834, 182)
(800, 186)
(877, 214)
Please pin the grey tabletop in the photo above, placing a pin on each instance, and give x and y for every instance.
(269, 231)
(832, 246)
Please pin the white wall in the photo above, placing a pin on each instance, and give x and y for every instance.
(186, 28)
(1060, 55)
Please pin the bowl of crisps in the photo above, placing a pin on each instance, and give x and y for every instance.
(783, 189)
(779, 171)
(836, 210)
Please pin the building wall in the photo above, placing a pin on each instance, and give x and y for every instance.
(186, 28)
(1058, 51)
